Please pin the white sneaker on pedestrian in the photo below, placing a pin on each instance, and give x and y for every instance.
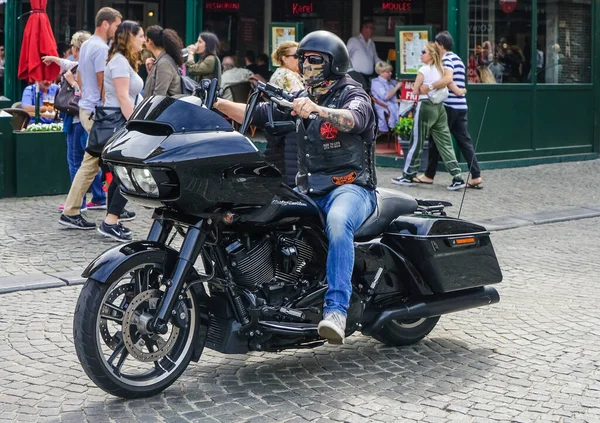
(333, 327)
(401, 180)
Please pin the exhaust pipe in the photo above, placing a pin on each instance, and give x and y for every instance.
(435, 305)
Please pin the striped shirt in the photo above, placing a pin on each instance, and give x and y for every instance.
(452, 61)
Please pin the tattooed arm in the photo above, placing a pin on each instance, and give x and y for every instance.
(341, 119)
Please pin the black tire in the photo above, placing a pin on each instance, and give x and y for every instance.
(89, 345)
(406, 332)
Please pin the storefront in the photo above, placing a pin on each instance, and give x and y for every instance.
(544, 95)
(543, 55)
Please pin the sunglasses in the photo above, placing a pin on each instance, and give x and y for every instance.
(423, 51)
(314, 60)
(295, 56)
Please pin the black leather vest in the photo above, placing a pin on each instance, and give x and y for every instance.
(328, 158)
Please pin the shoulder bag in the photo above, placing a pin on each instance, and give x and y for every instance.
(438, 96)
(67, 100)
(107, 121)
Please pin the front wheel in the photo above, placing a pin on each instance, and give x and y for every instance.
(112, 340)
(406, 332)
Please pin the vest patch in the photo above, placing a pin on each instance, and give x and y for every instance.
(328, 131)
(343, 180)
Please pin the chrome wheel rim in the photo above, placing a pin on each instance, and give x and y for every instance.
(130, 353)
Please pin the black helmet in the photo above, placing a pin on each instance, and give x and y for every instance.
(330, 44)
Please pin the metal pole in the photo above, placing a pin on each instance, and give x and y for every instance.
(452, 24)
(191, 23)
(11, 48)
(37, 102)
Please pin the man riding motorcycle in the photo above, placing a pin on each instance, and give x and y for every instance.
(335, 126)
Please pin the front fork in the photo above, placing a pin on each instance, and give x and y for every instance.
(190, 249)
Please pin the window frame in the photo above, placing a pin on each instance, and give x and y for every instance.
(463, 48)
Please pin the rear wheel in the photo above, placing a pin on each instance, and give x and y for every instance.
(406, 332)
(112, 340)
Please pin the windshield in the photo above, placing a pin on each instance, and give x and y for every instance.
(184, 114)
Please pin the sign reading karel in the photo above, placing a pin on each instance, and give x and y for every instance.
(302, 9)
(508, 6)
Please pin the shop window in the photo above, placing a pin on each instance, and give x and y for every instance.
(388, 13)
(564, 43)
(500, 41)
(238, 24)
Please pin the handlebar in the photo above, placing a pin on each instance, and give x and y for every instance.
(280, 97)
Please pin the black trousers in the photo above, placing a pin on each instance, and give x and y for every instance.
(457, 122)
(115, 201)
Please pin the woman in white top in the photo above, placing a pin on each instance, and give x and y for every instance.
(430, 120)
(122, 87)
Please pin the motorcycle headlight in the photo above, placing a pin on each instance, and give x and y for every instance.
(145, 180)
(124, 178)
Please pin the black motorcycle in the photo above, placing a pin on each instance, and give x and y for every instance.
(249, 272)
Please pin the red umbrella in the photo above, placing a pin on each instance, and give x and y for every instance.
(38, 41)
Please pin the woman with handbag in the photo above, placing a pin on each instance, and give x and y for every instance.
(69, 94)
(122, 88)
(163, 77)
(430, 119)
(209, 65)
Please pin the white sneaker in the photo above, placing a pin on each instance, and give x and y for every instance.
(332, 327)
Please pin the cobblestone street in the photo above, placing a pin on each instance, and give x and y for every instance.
(535, 356)
(32, 242)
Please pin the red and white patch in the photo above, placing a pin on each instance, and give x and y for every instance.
(328, 131)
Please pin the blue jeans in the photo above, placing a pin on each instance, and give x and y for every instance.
(346, 207)
(76, 143)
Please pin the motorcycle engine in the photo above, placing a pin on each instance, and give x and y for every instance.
(251, 264)
(271, 260)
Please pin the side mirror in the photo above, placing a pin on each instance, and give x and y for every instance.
(211, 87)
(279, 128)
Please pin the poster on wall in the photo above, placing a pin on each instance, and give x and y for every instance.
(281, 32)
(410, 41)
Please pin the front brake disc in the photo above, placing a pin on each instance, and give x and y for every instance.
(141, 344)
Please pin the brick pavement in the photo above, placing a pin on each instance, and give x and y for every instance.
(531, 357)
(32, 242)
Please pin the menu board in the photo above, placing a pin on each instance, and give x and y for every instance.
(281, 32)
(248, 31)
(410, 41)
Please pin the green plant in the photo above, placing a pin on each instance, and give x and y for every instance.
(404, 127)
(44, 127)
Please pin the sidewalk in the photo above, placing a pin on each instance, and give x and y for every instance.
(35, 251)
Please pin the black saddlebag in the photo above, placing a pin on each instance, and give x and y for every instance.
(451, 254)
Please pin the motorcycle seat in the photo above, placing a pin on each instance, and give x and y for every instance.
(390, 205)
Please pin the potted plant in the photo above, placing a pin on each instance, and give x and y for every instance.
(404, 127)
(44, 127)
(403, 130)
